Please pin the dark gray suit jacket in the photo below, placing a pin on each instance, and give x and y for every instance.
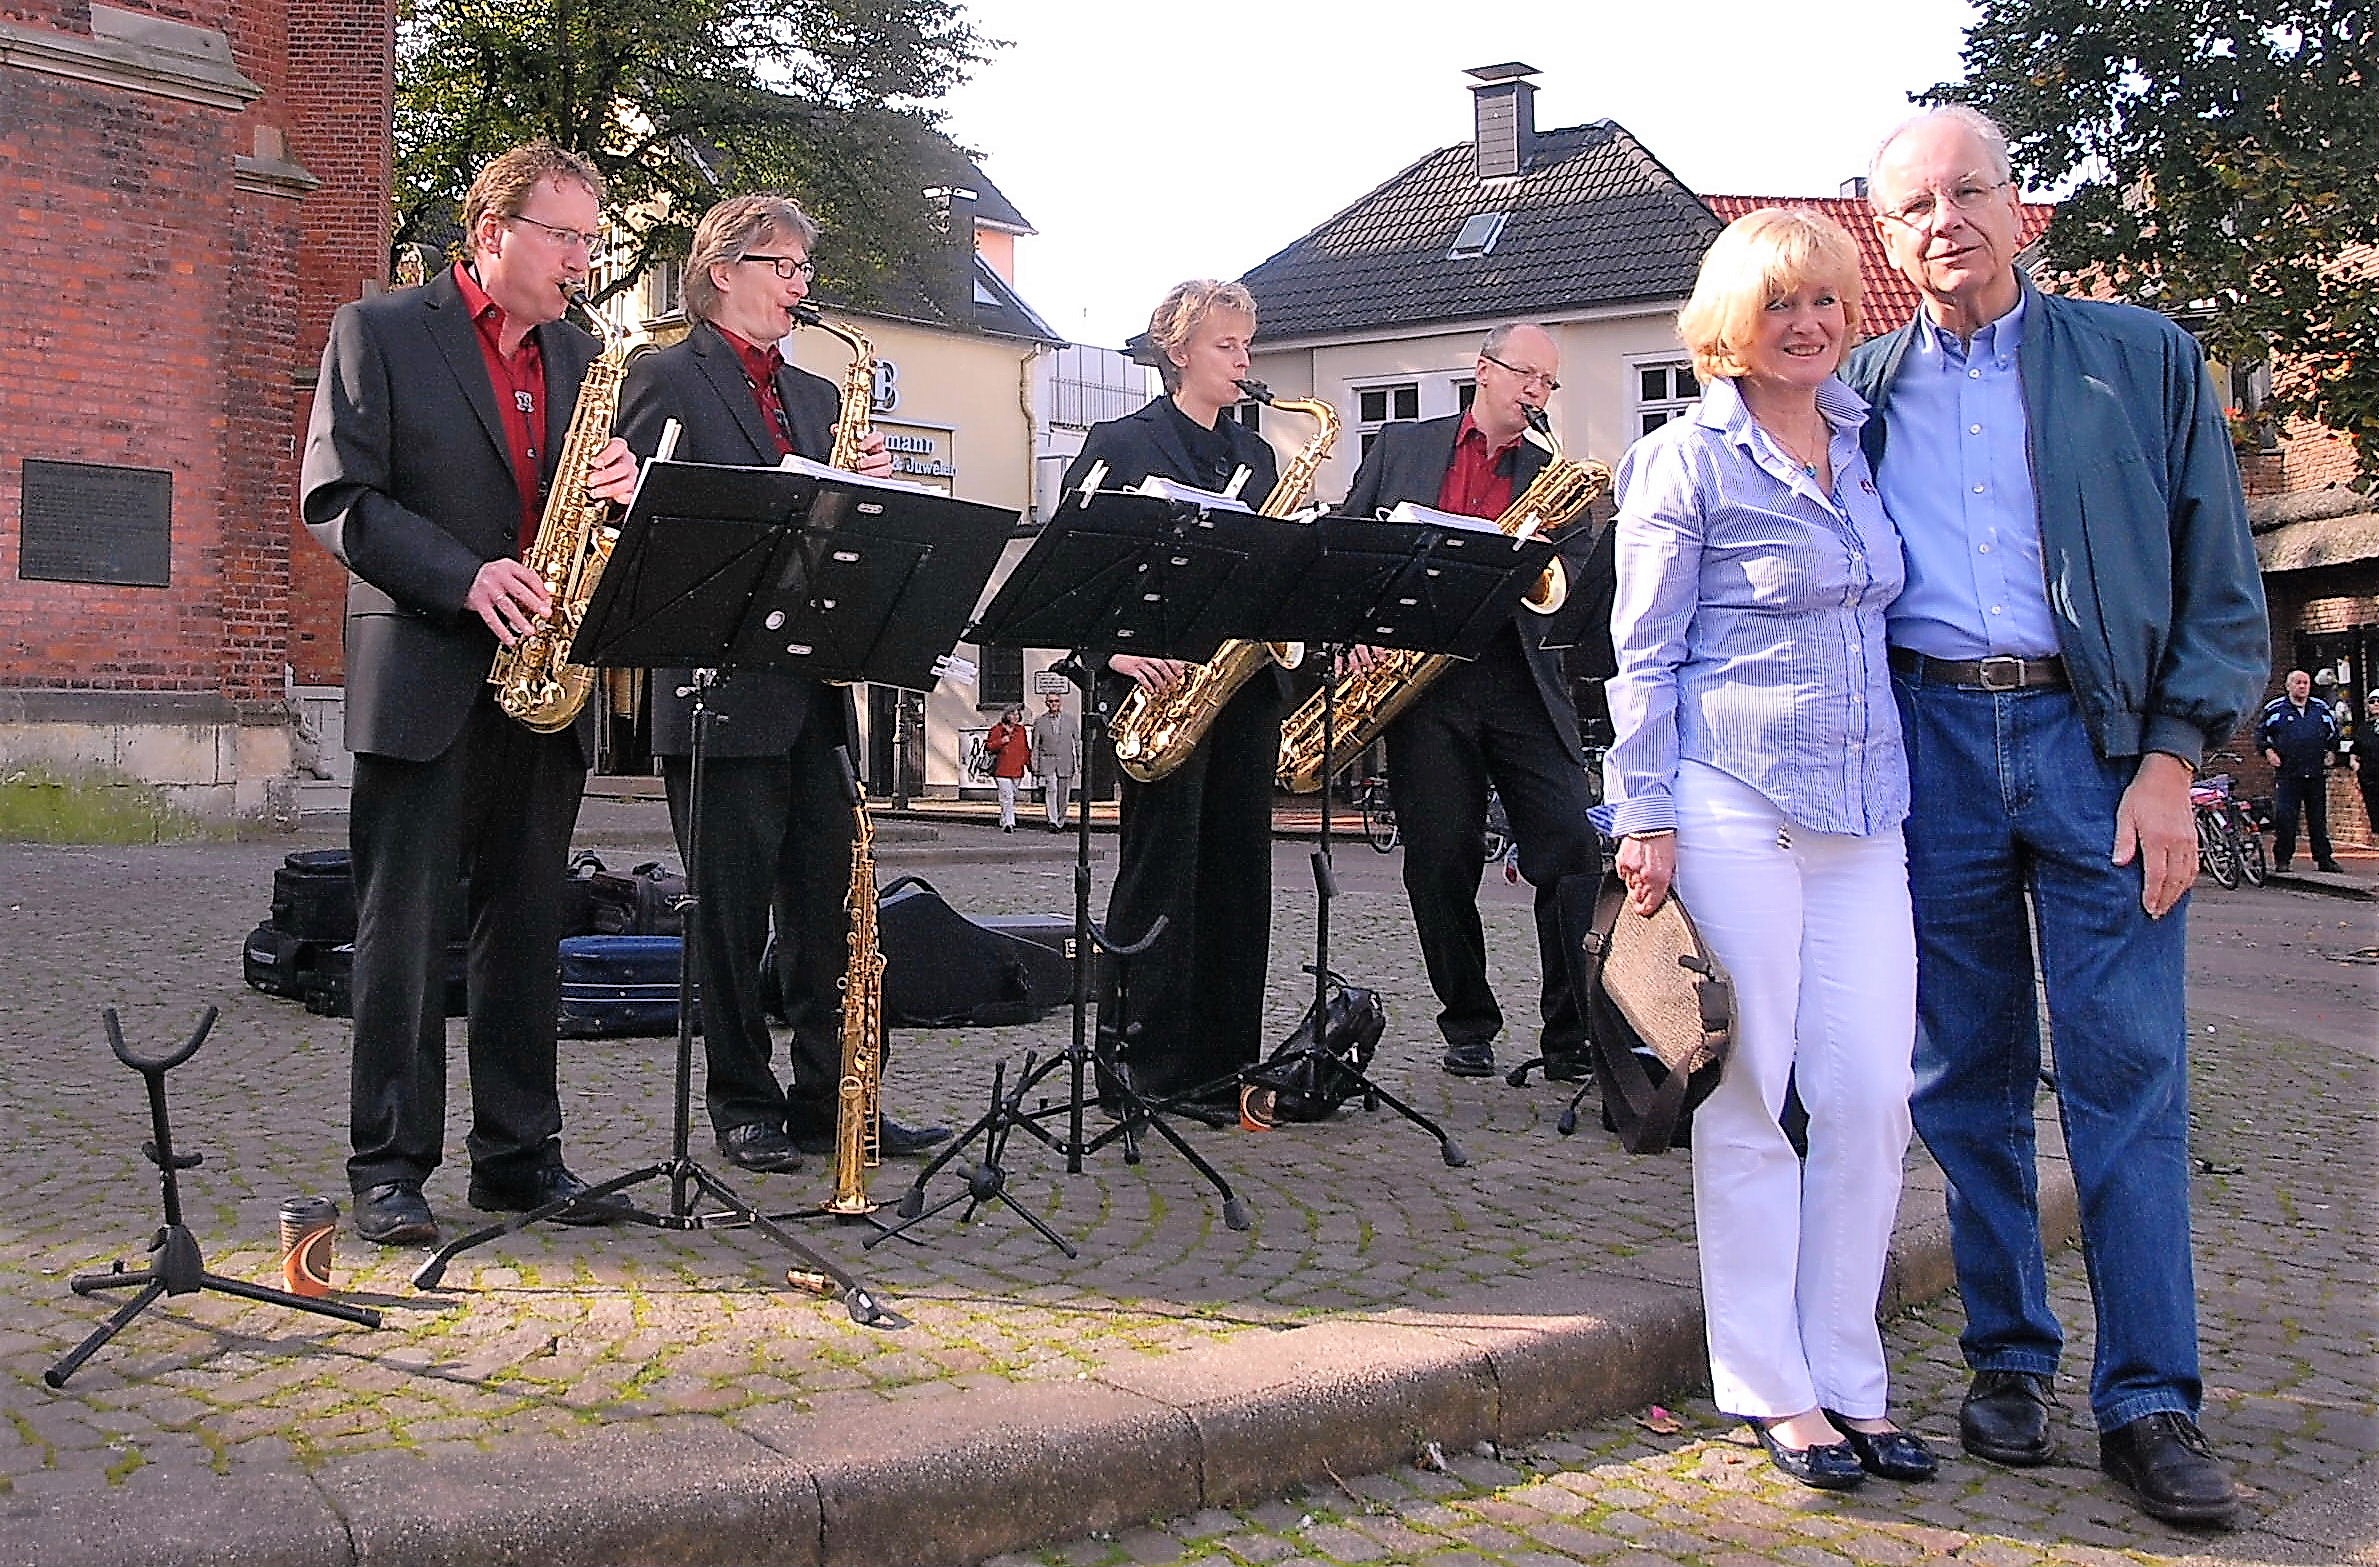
(407, 481)
(700, 383)
(1408, 462)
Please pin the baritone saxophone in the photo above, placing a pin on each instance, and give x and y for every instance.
(1154, 734)
(1366, 702)
(534, 679)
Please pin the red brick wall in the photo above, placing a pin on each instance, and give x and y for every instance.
(163, 317)
(2310, 457)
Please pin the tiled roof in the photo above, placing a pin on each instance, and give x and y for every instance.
(1596, 220)
(1887, 299)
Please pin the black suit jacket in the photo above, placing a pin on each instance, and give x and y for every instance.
(1408, 462)
(1146, 442)
(406, 480)
(700, 383)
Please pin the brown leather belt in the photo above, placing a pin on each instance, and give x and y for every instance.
(2004, 673)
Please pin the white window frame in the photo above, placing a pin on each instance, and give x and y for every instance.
(1638, 405)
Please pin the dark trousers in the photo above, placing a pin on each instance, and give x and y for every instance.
(499, 806)
(2292, 797)
(775, 837)
(1481, 723)
(1196, 847)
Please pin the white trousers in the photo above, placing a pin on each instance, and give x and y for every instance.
(1007, 789)
(1815, 930)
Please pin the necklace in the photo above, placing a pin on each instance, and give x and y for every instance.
(1798, 453)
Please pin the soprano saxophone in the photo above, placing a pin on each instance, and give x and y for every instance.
(534, 679)
(1154, 734)
(858, 1100)
(1368, 701)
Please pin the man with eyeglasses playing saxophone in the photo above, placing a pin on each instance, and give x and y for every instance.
(775, 828)
(438, 422)
(1504, 719)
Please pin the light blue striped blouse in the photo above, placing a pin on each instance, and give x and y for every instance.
(1749, 622)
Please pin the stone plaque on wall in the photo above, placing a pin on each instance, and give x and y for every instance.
(96, 522)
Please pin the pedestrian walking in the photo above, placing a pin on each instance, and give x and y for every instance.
(2298, 736)
(2365, 760)
(1010, 747)
(1057, 745)
(2083, 617)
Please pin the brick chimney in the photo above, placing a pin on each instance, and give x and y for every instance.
(1504, 112)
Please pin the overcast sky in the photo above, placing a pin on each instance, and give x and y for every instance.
(1153, 142)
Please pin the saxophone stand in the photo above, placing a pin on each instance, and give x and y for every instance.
(718, 568)
(1112, 572)
(179, 1269)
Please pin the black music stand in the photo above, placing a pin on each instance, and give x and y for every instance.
(1114, 572)
(1433, 582)
(179, 1268)
(718, 568)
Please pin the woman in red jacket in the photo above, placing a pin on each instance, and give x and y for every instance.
(1010, 747)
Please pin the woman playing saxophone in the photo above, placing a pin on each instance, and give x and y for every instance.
(1196, 844)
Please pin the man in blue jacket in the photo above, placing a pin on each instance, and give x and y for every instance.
(2298, 736)
(2082, 619)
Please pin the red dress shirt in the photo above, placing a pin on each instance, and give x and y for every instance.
(760, 366)
(519, 385)
(1473, 485)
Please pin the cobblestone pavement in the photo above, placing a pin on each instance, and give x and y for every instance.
(2285, 1134)
(554, 1334)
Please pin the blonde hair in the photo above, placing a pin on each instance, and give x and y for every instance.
(1184, 309)
(728, 231)
(503, 186)
(1763, 256)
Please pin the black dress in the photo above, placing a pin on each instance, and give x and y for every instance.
(1196, 845)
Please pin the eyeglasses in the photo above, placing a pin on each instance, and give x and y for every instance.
(565, 237)
(787, 267)
(1527, 377)
(1921, 208)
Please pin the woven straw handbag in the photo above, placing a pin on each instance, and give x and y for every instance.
(1660, 1010)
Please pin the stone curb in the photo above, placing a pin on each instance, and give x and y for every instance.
(2329, 884)
(959, 1476)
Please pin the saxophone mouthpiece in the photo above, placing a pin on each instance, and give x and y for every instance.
(1540, 428)
(1257, 390)
(807, 315)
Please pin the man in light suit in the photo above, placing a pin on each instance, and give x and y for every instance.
(1057, 745)
(775, 824)
(436, 424)
(1505, 719)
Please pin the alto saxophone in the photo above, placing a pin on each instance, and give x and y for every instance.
(1154, 734)
(858, 1099)
(1366, 702)
(534, 679)
(858, 389)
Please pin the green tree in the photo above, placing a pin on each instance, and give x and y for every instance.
(2224, 156)
(682, 102)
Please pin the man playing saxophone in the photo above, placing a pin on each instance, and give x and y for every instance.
(775, 831)
(1195, 845)
(1505, 719)
(436, 427)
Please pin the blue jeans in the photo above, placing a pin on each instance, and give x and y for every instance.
(2011, 803)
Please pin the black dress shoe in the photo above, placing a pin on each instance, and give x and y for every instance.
(759, 1146)
(1472, 1060)
(2171, 1470)
(2005, 1418)
(2330, 867)
(1825, 1466)
(1888, 1455)
(394, 1213)
(1568, 1066)
(551, 1184)
(893, 1140)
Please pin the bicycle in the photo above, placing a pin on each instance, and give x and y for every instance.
(2219, 845)
(1379, 814)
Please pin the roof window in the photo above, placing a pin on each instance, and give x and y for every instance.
(1478, 235)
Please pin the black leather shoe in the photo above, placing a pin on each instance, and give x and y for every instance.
(1888, 1455)
(893, 1139)
(2005, 1418)
(2171, 1470)
(1568, 1066)
(549, 1185)
(1471, 1060)
(394, 1213)
(1826, 1466)
(756, 1145)
(2329, 867)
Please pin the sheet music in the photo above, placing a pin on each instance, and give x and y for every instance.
(818, 470)
(1184, 495)
(1413, 511)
